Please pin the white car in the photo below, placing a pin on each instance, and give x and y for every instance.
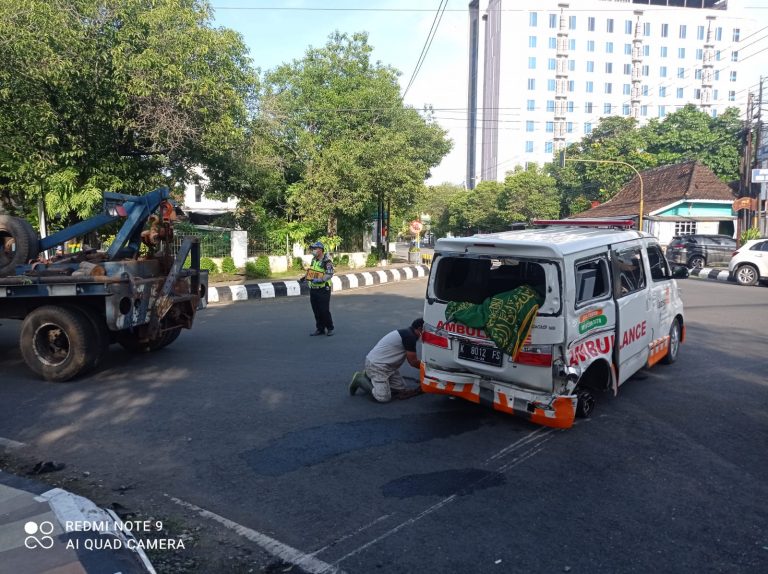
(749, 263)
(609, 306)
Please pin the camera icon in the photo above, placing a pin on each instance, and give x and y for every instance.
(44, 530)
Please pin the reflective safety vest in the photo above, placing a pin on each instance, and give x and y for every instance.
(317, 270)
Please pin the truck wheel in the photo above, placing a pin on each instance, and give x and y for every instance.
(17, 241)
(747, 275)
(674, 343)
(102, 340)
(129, 341)
(58, 343)
(585, 403)
(165, 339)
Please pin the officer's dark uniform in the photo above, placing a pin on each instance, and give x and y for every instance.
(320, 293)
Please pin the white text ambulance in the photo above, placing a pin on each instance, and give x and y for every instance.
(611, 307)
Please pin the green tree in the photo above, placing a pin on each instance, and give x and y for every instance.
(435, 201)
(476, 210)
(118, 95)
(527, 194)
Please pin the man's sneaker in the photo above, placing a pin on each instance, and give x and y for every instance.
(329, 332)
(316, 333)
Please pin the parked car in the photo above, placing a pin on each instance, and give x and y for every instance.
(749, 263)
(697, 251)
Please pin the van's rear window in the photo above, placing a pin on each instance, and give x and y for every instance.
(474, 280)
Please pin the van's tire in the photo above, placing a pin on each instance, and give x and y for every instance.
(674, 343)
(746, 275)
(58, 343)
(17, 242)
(585, 403)
(696, 262)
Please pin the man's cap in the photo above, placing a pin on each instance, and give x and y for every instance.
(317, 244)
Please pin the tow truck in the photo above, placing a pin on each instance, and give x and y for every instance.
(137, 292)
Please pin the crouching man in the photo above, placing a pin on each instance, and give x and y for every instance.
(382, 376)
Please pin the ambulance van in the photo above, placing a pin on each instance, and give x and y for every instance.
(609, 307)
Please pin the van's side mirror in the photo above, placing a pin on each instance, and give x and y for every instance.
(680, 272)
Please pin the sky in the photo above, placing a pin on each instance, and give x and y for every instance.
(280, 31)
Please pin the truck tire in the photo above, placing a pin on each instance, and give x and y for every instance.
(165, 339)
(103, 336)
(58, 343)
(130, 341)
(17, 241)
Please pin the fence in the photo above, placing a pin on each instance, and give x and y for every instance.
(266, 246)
(211, 244)
(351, 244)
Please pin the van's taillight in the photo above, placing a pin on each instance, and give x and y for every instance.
(435, 340)
(535, 356)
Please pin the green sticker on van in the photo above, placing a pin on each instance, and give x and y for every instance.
(592, 320)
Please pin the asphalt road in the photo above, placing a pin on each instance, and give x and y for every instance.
(248, 417)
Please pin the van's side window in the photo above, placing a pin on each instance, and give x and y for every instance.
(631, 273)
(659, 267)
(592, 280)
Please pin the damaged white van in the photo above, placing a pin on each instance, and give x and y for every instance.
(601, 299)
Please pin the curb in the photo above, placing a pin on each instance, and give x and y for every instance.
(271, 290)
(712, 274)
(57, 546)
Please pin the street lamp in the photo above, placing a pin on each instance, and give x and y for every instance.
(563, 159)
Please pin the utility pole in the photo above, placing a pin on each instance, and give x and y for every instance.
(760, 215)
(742, 223)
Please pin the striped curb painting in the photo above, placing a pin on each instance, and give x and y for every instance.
(270, 290)
(714, 274)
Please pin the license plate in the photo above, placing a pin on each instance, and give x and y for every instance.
(480, 354)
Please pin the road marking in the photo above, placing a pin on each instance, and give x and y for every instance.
(350, 535)
(534, 440)
(9, 444)
(274, 547)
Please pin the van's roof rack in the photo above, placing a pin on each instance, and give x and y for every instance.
(610, 223)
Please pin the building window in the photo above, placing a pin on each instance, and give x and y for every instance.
(663, 51)
(569, 107)
(628, 69)
(696, 94)
(664, 30)
(608, 68)
(571, 85)
(588, 107)
(663, 92)
(735, 56)
(606, 108)
(681, 73)
(588, 128)
(569, 127)
(643, 110)
(733, 76)
(716, 95)
(532, 62)
(553, 20)
(644, 90)
(529, 146)
(198, 193)
(627, 26)
(531, 83)
(682, 31)
(681, 53)
(736, 34)
(531, 41)
(549, 148)
(551, 85)
(718, 55)
(697, 74)
(663, 71)
(609, 25)
(700, 32)
(590, 66)
(699, 54)
(590, 87)
(646, 29)
(571, 65)
(685, 227)
(719, 34)
(529, 126)
(626, 90)
(646, 50)
(680, 92)
(609, 47)
(627, 49)
(553, 43)
(533, 18)
(717, 75)
(608, 88)
(551, 65)
(646, 70)
(571, 22)
(550, 105)
(714, 113)
(662, 111)
(590, 45)
(530, 105)
(572, 44)
(591, 23)
(625, 109)
(731, 96)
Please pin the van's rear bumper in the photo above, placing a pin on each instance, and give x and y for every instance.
(546, 409)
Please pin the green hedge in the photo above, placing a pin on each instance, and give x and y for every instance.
(208, 264)
(258, 269)
(228, 265)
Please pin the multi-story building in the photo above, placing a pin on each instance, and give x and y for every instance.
(542, 73)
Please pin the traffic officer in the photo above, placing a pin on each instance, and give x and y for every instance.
(319, 276)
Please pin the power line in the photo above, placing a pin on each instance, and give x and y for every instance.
(644, 8)
(427, 43)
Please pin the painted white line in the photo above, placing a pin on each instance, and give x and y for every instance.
(382, 276)
(350, 535)
(517, 444)
(367, 277)
(420, 272)
(267, 290)
(9, 444)
(723, 276)
(336, 284)
(408, 272)
(292, 288)
(704, 271)
(274, 547)
(396, 274)
(353, 283)
(213, 295)
(239, 292)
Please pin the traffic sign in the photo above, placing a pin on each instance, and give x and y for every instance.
(759, 175)
(416, 225)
